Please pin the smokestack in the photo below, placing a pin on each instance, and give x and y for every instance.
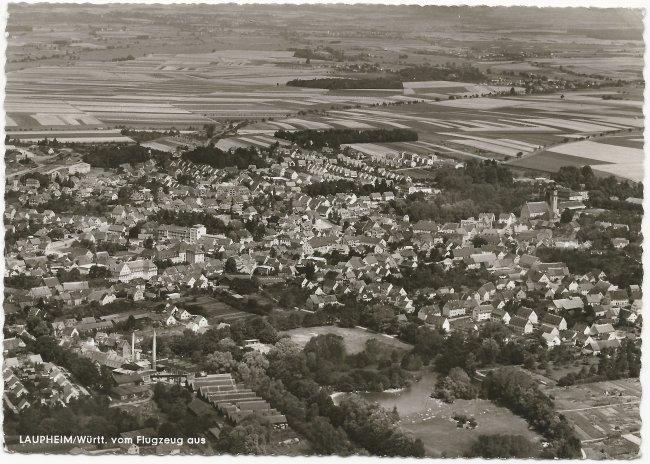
(133, 346)
(154, 349)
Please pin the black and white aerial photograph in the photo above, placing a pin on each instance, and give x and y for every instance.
(323, 230)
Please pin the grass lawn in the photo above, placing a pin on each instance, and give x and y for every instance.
(214, 309)
(355, 338)
(441, 436)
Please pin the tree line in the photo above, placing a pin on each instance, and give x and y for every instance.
(336, 84)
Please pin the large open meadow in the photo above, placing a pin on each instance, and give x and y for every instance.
(354, 338)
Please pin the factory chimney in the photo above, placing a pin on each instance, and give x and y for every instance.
(153, 349)
(554, 202)
(132, 346)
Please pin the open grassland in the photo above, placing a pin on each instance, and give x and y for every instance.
(354, 338)
(213, 309)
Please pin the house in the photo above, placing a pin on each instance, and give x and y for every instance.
(439, 322)
(428, 311)
(499, 315)
(553, 320)
(528, 314)
(602, 331)
(521, 325)
(618, 298)
(619, 243)
(596, 346)
(552, 340)
(482, 312)
(197, 323)
(454, 308)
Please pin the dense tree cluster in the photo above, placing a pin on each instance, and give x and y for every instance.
(113, 156)
(81, 417)
(455, 385)
(450, 72)
(145, 136)
(173, 401)
(466, 192)
(332, 187)
(517, 391)
(335, 137)
(336, 84)
(375, 429)
(502, 446)
(310, 409)
(602, 191)
(83, 369)
(213, 156)
(371, 370)
(620, 269)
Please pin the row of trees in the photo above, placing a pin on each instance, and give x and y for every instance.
(335, 137)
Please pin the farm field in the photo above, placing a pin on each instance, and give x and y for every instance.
(618, 156)
(354, 338)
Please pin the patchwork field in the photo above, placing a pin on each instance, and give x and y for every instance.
(602, 410)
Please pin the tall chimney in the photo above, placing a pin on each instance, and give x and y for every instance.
(133, 346)
(154, 349)
(554, 201)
